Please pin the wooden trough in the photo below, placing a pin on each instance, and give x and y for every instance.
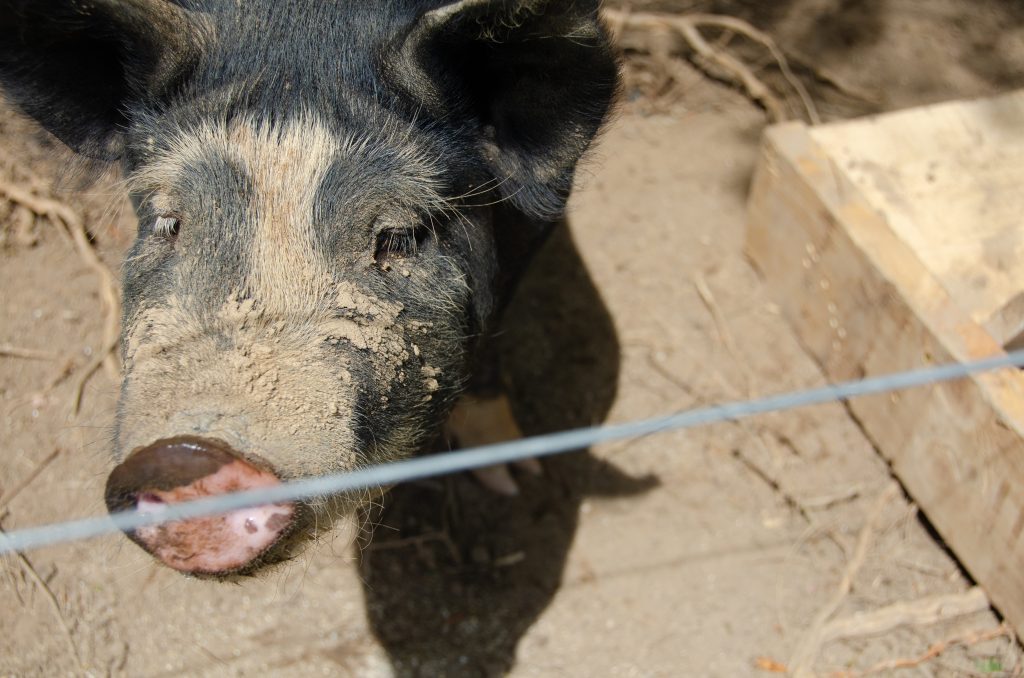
(895, 242)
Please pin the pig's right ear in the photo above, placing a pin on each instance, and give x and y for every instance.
(78, 68)
(535, 78)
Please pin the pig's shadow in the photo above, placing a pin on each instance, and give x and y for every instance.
(454, 575)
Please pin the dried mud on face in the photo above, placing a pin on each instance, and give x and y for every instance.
(707, 552)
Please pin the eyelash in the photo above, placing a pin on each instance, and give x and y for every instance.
(399, 243)
(167, 227)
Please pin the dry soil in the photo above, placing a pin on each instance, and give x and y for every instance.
(703, 553)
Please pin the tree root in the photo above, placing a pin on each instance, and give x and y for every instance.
(969, 638)
(807, 649)
(665, 35)
(61, 214)
(923, 612)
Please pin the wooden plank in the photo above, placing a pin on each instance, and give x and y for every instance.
(949, 179)
(863, 301)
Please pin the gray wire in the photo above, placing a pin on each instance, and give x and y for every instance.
(463, 460)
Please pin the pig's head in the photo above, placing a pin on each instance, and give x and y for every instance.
(316, 185)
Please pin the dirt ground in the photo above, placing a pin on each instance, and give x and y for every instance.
(704, 553)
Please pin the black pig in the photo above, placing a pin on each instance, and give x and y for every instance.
(334, 199)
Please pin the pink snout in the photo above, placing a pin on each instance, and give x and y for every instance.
(184, 468)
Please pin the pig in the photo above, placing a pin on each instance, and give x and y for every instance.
(335, 201)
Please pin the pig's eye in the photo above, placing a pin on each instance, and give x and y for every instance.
(393, 243)
(167, 227)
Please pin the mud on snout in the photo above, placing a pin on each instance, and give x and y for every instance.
(246, 401)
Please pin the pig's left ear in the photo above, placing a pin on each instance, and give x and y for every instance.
(78, 67)
(536, 78)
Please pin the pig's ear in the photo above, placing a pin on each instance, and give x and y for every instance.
(536, 78)
(78, 67)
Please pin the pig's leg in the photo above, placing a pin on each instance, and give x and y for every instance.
(483, 415)
(479, 421)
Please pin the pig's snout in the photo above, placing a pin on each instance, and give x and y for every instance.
(183, 468)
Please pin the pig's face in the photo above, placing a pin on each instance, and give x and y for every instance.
(298, 290)
(324, 196)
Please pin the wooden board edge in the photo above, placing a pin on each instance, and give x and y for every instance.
(863, 303)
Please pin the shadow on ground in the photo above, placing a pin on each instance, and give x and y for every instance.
(453, 575)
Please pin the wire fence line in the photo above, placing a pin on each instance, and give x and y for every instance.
(464, 460)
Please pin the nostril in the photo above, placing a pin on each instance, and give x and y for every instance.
(149, 502)
(165, 465)
(184, 468)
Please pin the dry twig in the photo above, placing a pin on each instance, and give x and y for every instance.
(662, 35)
(923, 612)
(727, 339)
(60, 213)
(829, 500)
(969, 638)
(708, 297)
(741, 27)
(808, 647)
(27, 353)
(44, 588)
